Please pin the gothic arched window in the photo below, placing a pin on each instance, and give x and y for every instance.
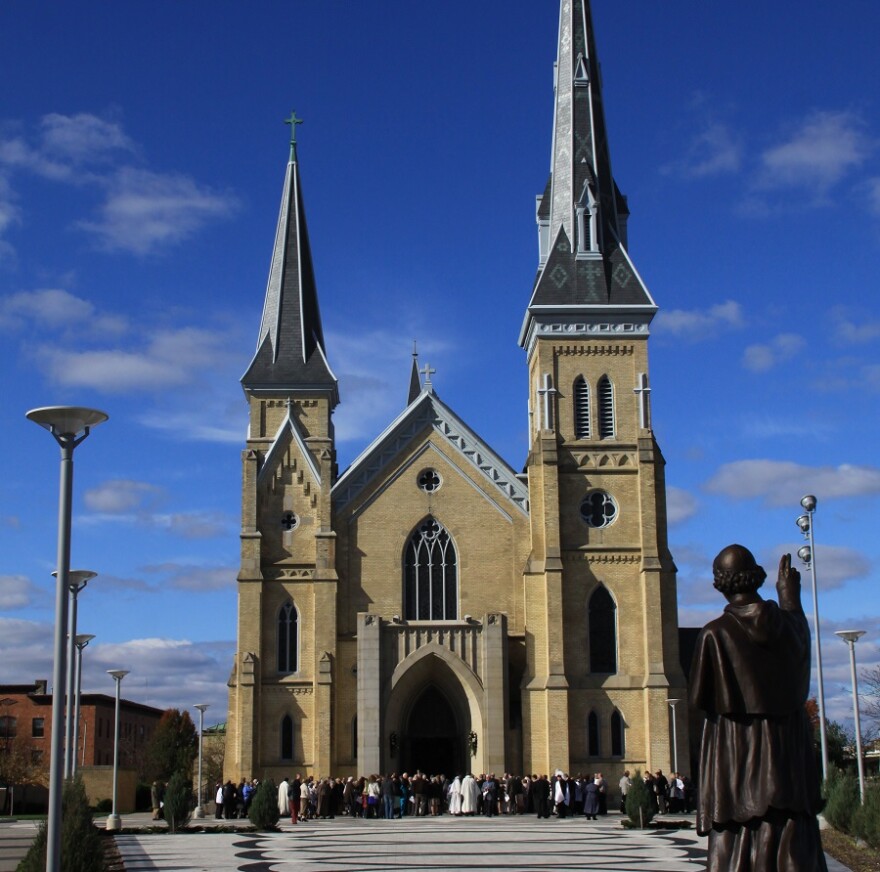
(618, 735)
(581, 408)
(430, 574)
(606, 408)
(592, 735)
(287, 638)
(287, 738)
(603, 631)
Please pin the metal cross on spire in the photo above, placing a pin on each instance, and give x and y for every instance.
(293, 121)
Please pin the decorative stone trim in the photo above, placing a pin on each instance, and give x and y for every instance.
(289, 574)
(613, 459)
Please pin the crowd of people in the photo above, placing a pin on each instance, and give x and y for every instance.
(397, 796)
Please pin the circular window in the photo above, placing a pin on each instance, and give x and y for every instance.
(429, 480)
(598, 508)
(289, 521)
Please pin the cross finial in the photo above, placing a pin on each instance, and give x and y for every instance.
(427, 372)
(293, 121)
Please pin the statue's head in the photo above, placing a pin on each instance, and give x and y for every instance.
(736, 571)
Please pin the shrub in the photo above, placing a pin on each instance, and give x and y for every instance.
(104, 806)
(866, 818)
(178, 802)
(640, 807)
(841, 800)
(263, 812)
(81, 847)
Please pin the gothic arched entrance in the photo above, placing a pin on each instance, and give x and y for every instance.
(433, 737)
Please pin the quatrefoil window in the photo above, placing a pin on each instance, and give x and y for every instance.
(598, 508)
(289, 522)
(429, 480)
(429, 530)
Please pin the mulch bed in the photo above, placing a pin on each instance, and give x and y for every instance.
(844, 849)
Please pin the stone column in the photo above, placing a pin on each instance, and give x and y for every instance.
(495, 693)
(369, 694)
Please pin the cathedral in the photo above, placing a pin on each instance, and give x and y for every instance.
(432, 607)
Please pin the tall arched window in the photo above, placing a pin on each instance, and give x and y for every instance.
(430, 574)
(618, 735)
(592, 735)
(606, 408)
(603, 631)
(581, 408)
(287, 638)
(287, 738)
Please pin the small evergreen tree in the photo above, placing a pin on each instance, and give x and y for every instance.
(640, 806)
(178, 802)
(173, 747)
(841, 800)
(264, 812)
(81, 847)
(866, 818)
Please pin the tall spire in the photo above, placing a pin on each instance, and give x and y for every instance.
(290, 345)
(581, 215)
(415, 383)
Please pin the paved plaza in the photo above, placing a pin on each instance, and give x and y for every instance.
(521, 844)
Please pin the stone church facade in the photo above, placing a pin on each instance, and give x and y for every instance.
(430, 607)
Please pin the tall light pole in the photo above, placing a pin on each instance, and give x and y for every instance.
(69, 425)
(199, 812)
(672, 704)
(81, 641)
(808, 554)
(114, 822)
(851, 637)
(77, 580)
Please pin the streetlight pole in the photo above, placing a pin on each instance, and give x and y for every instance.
(69, 426)
(77, 580)
(114, 822)
(199, 812)
(81, 641)
(808, 554)
(672, 704)
(851, 637)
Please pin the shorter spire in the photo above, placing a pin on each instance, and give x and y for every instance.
(415, 384)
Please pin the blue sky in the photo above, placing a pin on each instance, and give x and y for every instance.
(142, 152)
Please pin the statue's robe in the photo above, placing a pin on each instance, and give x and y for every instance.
(759, 784)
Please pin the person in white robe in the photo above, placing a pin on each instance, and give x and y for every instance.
(283, 804)
(455, 796)
(470, 795)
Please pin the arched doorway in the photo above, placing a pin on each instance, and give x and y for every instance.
(433, 738)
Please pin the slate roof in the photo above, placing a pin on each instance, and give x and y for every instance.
(290, 345)
(581, 173)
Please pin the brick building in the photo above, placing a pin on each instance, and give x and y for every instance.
(26, 720)
(433, 607)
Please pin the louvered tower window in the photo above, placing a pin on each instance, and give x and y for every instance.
(581, 408)
(287, 638)
(287, 738)
(603, 632)
(606, 408)
(618, 737)
(430, 574)
(592, 735)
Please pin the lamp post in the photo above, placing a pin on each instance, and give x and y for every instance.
(808, 555)
(77, 579)
(69, 425)
(851, 637)
(114, 822)
(81, 641)
(199, 812)
(672, 704)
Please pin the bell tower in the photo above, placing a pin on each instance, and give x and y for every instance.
(600, 589)
(286, 646)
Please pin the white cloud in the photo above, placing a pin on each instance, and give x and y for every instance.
(696, 324)
(144, 210)
(873, 189)
(817, 154)
(836, 565)
(850, 332)
(760, 358)
(201, 579)
(780, 483)
(119, 496)
(680, 505)
(83, 137)
(715, 150)
(18, 592)
(57, 309)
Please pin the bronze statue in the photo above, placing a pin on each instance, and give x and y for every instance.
(759, 780)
